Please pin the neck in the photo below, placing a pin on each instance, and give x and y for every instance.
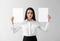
(29, 19)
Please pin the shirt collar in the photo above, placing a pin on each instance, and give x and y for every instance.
(30, 20)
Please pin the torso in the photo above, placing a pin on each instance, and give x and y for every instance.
(30, 28)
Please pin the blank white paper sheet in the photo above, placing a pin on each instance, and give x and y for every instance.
(18, 15)
(43, 14)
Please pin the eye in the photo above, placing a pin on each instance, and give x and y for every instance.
(31, 13)
(28, 13)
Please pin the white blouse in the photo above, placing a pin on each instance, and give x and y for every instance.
(29, 28)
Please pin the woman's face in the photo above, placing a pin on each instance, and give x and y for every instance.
(29, 14)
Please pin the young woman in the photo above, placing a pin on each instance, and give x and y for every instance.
(29, 26)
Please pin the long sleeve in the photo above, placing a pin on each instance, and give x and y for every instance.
(43, 26)
(15, 27)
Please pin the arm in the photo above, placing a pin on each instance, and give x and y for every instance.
(44, 28)
(15, 26)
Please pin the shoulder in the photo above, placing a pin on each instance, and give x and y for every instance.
(36, 22)
(24, 22)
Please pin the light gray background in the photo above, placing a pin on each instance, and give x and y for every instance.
(53, 33)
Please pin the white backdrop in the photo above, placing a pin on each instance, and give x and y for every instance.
(6, 7)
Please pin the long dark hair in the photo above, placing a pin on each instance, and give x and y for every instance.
(33, 12)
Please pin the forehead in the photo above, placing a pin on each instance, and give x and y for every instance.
(29, 11)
